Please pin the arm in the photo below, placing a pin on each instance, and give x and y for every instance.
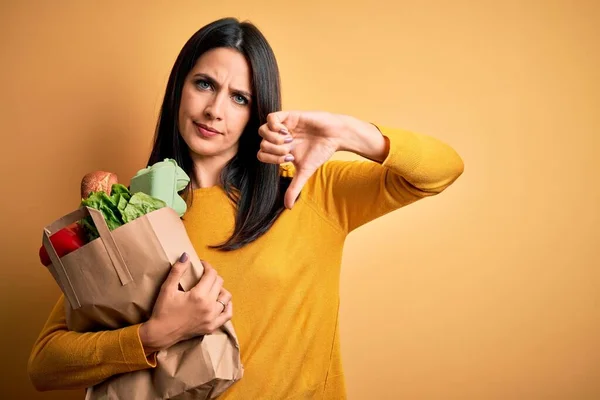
(61, 359)
(405, 167)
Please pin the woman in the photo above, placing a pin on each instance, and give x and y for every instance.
(269, 211)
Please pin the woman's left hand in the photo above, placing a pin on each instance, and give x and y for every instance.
(307, 139)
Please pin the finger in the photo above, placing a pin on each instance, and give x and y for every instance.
(276, 121)
(277, 149)
(293, 191)
(225, 316)
(222, 301)
(224, 296)
(221, 306)
(177, 271)
(207, 280)
(213, 294)
(274, 136)
(273, 159)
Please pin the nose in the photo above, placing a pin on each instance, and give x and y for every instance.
(214, 109)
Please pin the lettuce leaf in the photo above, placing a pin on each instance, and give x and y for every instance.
(140, 204)
(119, 208)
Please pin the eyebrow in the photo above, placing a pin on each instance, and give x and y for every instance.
(214, 82)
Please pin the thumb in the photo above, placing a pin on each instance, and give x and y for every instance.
(293, 191)
(177, 271)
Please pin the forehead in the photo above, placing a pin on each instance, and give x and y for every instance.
(226, 66)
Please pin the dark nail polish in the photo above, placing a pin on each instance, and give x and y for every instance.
(284, 131)
(183, 258)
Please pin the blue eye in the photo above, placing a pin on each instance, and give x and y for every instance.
(202, 84)
(239, 99)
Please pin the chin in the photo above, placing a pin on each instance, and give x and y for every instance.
(203, 151)
(199, 146)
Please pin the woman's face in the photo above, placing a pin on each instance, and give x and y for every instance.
(215, 103)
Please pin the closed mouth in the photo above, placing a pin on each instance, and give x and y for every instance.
(206, 127)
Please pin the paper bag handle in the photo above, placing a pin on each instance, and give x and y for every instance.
(107, 239)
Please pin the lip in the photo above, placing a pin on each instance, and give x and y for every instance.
(206, 131)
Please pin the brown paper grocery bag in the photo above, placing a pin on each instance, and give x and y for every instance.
(113, 282)
(177, 367)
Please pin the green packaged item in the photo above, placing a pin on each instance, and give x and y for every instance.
(163, 180)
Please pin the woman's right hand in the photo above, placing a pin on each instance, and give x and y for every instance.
(179, 315)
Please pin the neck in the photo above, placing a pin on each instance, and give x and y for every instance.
(208, 170)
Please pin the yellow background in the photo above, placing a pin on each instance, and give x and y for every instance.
(488, 291)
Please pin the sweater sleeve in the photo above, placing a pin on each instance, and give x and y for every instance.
(352, 193)
(62, 359)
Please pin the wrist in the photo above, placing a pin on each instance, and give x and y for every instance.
(150, 337)
(363, 138)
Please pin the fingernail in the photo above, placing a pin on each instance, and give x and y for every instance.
(284, 131)
(183, 257)
(289, 157)
(288, 139)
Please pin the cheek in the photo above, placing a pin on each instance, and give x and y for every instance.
(237, 120)
(180, 117)
(184, 107)
(189, 101)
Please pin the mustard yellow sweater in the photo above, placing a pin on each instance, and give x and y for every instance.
(285, 285)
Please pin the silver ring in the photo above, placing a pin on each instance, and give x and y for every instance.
(224, 305)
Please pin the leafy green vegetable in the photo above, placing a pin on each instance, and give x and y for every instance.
(101, 201)
(140, 204)
(119, 208)
(119, 188)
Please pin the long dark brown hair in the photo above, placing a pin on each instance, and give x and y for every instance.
(255, 187)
